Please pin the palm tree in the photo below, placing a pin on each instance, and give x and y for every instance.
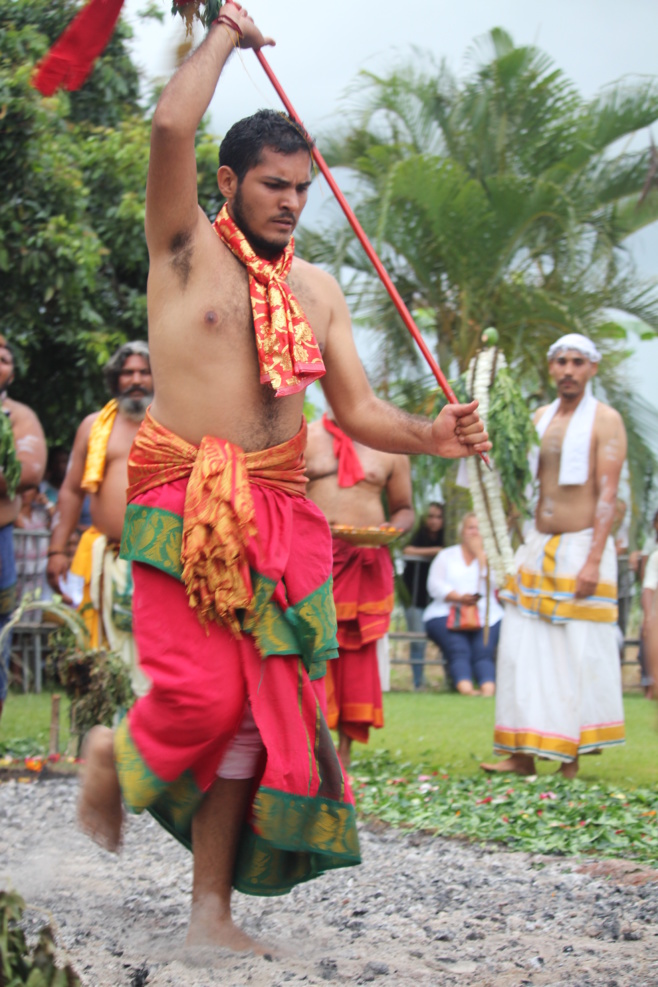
(503, 200)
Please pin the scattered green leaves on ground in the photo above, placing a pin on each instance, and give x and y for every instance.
(536, 814)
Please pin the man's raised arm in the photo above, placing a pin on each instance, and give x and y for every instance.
(171, 190)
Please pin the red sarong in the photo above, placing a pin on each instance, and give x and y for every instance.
(363, 594)
(301, 820)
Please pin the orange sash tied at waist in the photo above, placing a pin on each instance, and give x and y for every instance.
(99, 437)
(289, 357)
(219, 515)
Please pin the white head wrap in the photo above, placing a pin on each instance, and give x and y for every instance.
(578, 342)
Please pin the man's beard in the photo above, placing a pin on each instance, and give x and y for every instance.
(134, 406)
(264, 248)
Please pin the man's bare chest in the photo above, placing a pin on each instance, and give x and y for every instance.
(120, 440)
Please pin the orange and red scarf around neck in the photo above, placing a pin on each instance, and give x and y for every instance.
(288, 354)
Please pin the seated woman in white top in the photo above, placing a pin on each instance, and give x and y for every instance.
(458, 576)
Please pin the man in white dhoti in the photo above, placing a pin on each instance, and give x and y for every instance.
(559, 676)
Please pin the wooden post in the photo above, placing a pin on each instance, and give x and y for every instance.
(54, 725)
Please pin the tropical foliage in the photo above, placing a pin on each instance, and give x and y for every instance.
(503, 200)
(73, 260)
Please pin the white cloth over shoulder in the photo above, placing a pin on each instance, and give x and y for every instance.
(574, 461)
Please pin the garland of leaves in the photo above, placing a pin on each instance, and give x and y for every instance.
(502, 492)
(513, 435)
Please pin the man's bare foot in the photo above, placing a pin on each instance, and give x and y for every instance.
(569, 769)
(212, 925)
(487, 689)
(518, 764)
(100, 812)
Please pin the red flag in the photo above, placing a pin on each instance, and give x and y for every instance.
(71, 58)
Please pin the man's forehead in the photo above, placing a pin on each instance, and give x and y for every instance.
(570, 354)
(278, 162)
(141, 361)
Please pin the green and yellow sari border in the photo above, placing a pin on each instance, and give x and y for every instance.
(154, 537)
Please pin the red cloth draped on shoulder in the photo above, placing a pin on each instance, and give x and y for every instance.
(288, 354)
(350, 470)
(72, 57)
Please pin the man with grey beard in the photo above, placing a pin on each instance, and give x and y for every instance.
(99, 467)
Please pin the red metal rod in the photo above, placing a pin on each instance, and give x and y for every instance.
(365, 242)
(367, 246)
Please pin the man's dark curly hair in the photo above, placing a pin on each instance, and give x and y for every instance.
(114, 365)
(245, 141)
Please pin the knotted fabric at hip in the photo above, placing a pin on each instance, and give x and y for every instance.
(219, 514)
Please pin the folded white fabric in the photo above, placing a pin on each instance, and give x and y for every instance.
(574, 461)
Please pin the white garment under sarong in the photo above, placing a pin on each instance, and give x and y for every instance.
(558, 677)
(109, 581)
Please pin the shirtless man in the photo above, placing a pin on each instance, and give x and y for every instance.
(346, 481)
(233, 612)
(98, 467)
(559, 677)
(30, 450)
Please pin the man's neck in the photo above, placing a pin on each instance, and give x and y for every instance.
(568, 405)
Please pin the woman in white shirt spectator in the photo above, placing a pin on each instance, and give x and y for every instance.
(458, 579)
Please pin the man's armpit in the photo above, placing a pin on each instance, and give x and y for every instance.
(181, 260)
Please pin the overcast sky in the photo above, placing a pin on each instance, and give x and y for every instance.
(321, 47)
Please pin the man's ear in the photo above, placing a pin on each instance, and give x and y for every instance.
(595, 370)
(227, 181)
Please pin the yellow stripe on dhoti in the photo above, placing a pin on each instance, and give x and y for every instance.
(558, 680)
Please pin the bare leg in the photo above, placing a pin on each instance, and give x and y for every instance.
(344, 748)
(100, 812)
(569, 769)
(488, 688)
(215, 836)
(518, 764)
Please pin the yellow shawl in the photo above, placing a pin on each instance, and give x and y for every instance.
(97, 447)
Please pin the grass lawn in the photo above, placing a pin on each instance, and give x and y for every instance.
(25, 723)
(454, 733)
(437, 730)
(422, 771)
